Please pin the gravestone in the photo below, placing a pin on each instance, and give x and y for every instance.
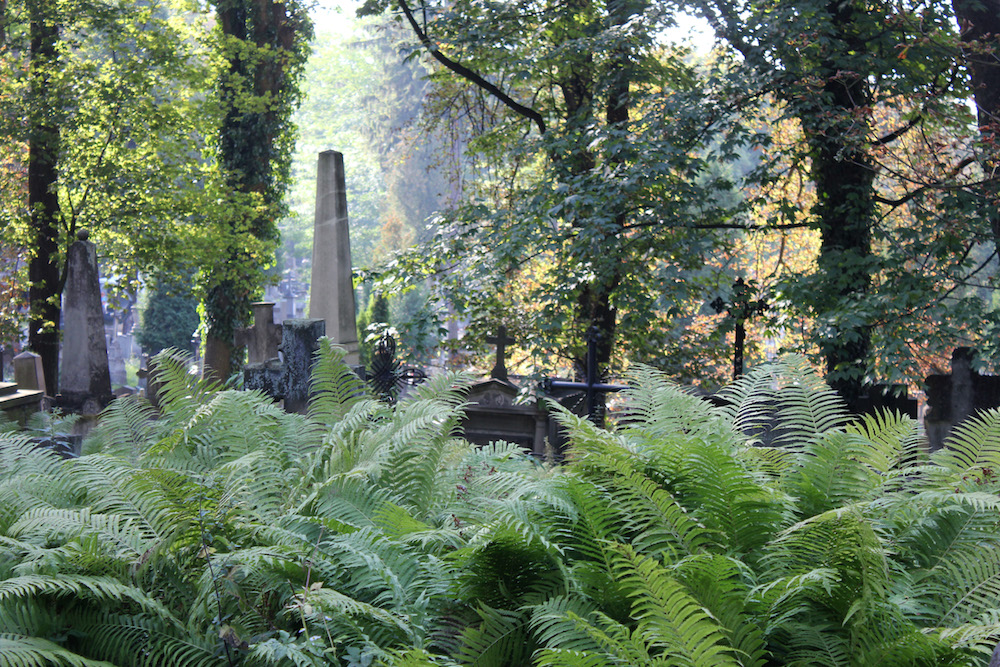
(263, 337)
(85, 381)
(501, 340)
(492, 412)
(28, 373)
(149, 380)
(26, 395)
(290, 379)
(116, 363)
(331, 291)
(953, 398)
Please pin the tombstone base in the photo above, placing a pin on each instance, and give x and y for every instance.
(265, 377)
(82, 404)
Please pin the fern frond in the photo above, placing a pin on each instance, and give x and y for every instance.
(973, 446)
(122, 639)
(660, 523)
(784, 402)
(552, 623)
(82, 586)
(500, 639)
(21, 651)
(181, 393)
(336, 388)
(657, 408)
(126, 429)
(718, 584)
(841, 540)
(669, 617)
(283, 649)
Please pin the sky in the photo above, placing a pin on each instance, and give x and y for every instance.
(336, 16)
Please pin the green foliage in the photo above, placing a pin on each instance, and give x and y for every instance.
(169, 319)
(766, 531)
(261, 49)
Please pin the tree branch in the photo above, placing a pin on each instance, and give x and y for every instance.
(468, 74)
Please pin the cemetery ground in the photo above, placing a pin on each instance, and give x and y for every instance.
(223, 530)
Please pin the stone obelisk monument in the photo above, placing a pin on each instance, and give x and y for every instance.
(331, 291)
(85, 382)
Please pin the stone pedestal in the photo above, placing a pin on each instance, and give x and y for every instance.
(331, 291)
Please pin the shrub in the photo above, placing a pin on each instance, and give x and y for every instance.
(228, 532)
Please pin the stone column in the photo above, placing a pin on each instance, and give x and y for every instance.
(331, 291)
(85, 381)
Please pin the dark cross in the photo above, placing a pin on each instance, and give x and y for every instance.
(592, 387)
(501, 340)
(386, 376)
(740, 309)
(385, 369)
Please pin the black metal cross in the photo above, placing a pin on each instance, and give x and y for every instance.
(591, 387)
(386, 376)
(740, 309)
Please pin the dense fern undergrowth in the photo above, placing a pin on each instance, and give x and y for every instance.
(773, 530)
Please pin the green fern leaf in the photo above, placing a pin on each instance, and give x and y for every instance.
(19, 651)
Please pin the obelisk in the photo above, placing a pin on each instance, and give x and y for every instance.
(85, 380)
(331, 291)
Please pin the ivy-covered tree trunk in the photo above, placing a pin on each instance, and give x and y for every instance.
(979, 25)
(44, 266)
(263, 48)
(837, 132)
(595, 304)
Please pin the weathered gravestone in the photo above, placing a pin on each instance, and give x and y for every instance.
(263, 338)
(953, 398)
(291, 379)
(331, 291)
(26, 395)
(85, 381)
(116, 364)
(28, 373)
(493, 414)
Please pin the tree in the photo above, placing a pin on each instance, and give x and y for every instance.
(170, 318)
(264, 44)
(595, 150)
(44, 143)
(834, 67)
(979, 29)
(106, 148)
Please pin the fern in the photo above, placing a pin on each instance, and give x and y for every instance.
(500, 639)
(335, 387)
(670, 619)
(20, 651)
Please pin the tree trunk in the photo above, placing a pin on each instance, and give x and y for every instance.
(247, 147)
(44, 269)
(845, 207)
(594, 306)
(979, 25)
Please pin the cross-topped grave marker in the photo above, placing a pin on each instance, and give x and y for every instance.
(263, 338)
(501, 340)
